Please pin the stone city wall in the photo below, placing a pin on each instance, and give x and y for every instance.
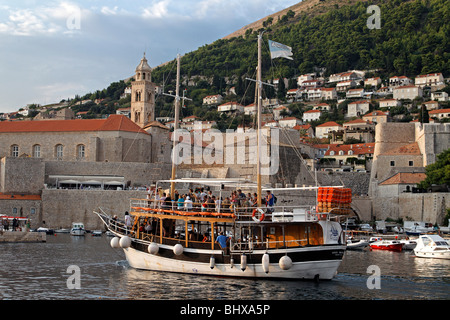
(62, 207)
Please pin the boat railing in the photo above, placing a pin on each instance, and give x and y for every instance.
(240, 213)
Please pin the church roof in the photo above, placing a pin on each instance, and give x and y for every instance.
(112, 123)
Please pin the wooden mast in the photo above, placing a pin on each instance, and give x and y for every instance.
(175, 136)
(259, 86)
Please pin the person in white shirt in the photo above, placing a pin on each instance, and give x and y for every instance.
(188, 203)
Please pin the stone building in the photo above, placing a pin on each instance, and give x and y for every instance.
(143, 92)
(115, 139)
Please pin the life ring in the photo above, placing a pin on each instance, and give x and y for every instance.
(263, 215)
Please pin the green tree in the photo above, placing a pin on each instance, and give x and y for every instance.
(438, 172)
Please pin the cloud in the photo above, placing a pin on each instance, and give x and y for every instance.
(158, 10)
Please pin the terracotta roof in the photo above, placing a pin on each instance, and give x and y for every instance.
(405, 178)
(312, 111)
(19, 197)
(439, 111)
(377, 113)
(357, 149)
(112, 123)
(410, 149)
(157, 124)
(360, 101)
(330, 124)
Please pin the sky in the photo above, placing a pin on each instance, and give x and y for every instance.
(53, 50)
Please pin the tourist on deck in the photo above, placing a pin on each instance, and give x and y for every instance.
(270, 201)
(188, 204)
(222, 241)
(128, 221)
(181, 202)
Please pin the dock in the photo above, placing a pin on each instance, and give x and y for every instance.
(22, 236)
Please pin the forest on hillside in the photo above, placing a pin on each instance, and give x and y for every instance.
(413, 39)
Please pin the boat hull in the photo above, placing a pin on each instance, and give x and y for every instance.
(303, 269)
(388, 247)
(438, 254)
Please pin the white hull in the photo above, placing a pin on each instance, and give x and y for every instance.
(433, 254)
(77, 232)
(326, 269)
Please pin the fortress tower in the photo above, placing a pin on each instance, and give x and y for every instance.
(143, 95)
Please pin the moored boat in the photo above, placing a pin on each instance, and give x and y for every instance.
(77, 229)
(357, 244)
(390, 245)
(432, 246)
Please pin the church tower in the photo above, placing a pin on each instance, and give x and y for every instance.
(143, 95)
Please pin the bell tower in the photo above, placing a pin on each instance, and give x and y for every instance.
(143, 95)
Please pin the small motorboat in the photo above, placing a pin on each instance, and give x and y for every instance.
(390, 245)
(77, 229)
(408, 244)
(356, 244)
(62, 230)
(97, 233)
(432, 246)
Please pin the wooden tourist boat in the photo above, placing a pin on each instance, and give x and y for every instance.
(260, 242)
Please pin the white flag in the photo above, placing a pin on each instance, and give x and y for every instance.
(278, 50)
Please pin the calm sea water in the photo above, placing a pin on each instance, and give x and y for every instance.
(39, 271)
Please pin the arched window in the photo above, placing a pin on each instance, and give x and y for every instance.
(341, 153)
(331, 153)
(14, 150)
(59, 151)
(36, 151)
(81, 151)
(350, 152)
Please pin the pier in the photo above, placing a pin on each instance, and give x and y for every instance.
(22, 236)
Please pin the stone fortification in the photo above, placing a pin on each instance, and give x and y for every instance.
(62, 207)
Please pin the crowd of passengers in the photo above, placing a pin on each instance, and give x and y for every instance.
(202, 200)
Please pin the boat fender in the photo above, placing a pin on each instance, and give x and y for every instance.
(285, 263)
(212, 262)
(125, 242)
(261, 212)
(115, 242)
(265, 262)
(178, 249)
(231, 263)
(243, 262)
(153, 248)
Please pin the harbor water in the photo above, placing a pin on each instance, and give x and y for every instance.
(45, 271)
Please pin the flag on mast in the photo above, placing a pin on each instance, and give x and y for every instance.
(278, 50)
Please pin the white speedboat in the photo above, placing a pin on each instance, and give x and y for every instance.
(357, 244)
(97, 233)
(432, 246)
(408, 244)
(77, 229)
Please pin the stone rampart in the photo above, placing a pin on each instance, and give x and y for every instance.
(62, 207)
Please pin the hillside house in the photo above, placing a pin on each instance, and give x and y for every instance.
(440, 114)
(358, 108)
(289, 122)
(231, 107)
(376, 116)
(407, 92)
(213, 100)
(400, 81)
(329, 93)
(372, 82)
(311, 115)
(432, 79)
(323, 130)
(389, 103)
(439, 96)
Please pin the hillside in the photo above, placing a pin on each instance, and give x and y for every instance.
(329, 36)
(413, 39)
(310, 7)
